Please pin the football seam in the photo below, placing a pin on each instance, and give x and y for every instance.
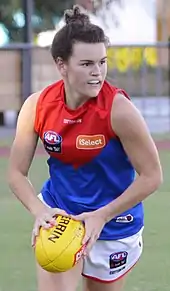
(45, 253)
(59, 255)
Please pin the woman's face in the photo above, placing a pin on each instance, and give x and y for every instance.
(86, 69)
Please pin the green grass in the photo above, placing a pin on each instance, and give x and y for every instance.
(17, 270)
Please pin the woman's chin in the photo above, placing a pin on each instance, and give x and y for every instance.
(93, 92)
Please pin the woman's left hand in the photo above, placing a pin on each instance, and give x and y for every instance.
(94, 223)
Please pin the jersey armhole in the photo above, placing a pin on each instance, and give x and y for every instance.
(37, 115)
(117, 91)
(39, 106)
(123, 92)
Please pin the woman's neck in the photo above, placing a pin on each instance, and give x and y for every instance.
(73, 99)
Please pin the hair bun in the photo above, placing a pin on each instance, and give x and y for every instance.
(75, 16)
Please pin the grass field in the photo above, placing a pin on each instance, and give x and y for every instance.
(17, 271)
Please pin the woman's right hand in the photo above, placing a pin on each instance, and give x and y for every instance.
(46, 219)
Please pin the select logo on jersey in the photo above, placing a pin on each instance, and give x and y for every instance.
(118, 259)
(90, 142)
(52, 141)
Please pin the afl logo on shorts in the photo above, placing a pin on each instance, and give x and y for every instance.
(118, 259)
(52, 141)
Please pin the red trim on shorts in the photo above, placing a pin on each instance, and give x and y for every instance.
(108, 281)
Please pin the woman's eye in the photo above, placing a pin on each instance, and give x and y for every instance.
(85, 64)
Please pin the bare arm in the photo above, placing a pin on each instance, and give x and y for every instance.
(132, 131)
(21, 157)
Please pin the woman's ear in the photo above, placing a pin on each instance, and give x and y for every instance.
(61, 66)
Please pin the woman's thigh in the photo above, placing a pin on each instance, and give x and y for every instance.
(66, 281)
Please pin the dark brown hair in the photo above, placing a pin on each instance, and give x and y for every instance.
(78, 28)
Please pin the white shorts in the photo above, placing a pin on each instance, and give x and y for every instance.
(110, 260)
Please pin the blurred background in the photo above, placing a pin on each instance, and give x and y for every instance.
(138, 61)
(138, 56)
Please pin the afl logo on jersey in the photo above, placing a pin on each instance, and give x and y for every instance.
(52, 141)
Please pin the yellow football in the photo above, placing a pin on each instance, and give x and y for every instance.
(59, 248)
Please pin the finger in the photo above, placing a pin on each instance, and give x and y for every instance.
(33, 240)
(52, 222)
(41, 223)
(86, 238)
(49, 219)
(90, 244)
(36, 230)
(35, 233)
(57, 211)
(46, 225)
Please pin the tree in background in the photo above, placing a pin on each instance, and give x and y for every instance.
(8, 8)
(46, 14)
